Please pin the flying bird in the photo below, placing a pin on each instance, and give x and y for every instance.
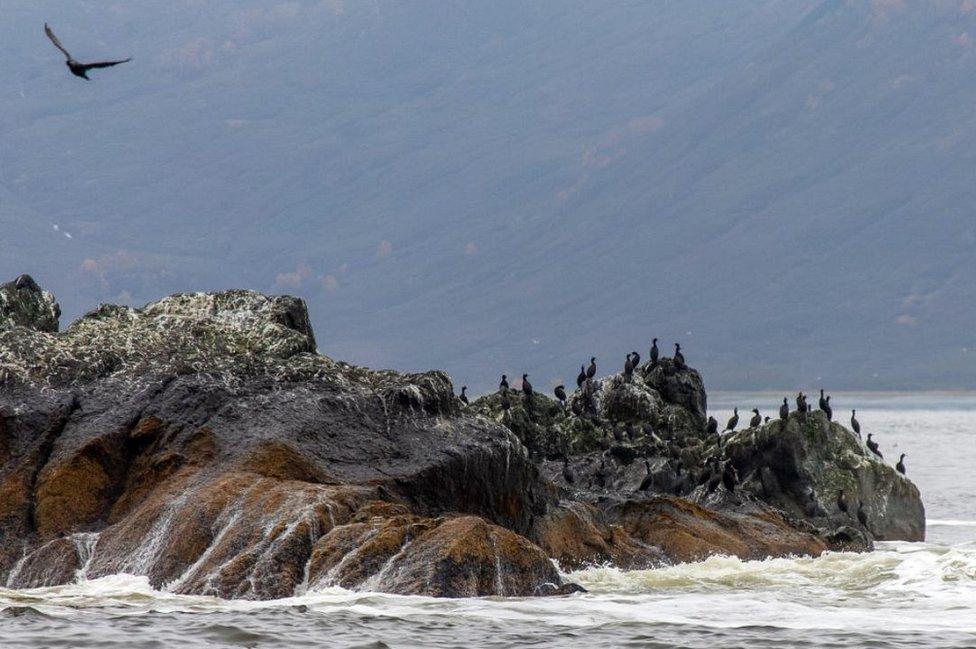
(78, 68)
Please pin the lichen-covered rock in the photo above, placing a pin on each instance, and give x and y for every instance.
(24, 304)
(802, 467)
(202, 443)
(613, 409)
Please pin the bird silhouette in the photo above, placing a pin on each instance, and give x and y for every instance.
(503, 384)
(679, 358)
(784, 411)
(464, 396)
(581, 377)
(855, 424)
(78, 68)
(591, 370)
(733, 421)
(560, 392)
(901, 464)
(873, 445)
(654, 352)
(756, 419)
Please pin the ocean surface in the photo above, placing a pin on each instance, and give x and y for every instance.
(901, 595)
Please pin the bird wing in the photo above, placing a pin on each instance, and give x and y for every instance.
(54, 39)
(104, 64)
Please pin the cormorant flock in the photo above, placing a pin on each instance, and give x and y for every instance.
(719, 474)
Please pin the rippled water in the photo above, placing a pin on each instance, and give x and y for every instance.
(902, 595)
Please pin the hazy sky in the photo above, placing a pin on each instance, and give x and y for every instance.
(786, 187)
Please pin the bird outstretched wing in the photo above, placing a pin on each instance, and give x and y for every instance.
(54, 39)
(105, 64)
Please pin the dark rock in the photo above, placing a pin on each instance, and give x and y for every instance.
(24, 304)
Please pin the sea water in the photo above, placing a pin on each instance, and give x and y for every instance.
(901, 595)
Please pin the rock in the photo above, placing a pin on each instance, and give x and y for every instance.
(445, 557)
(24, 304)
(206, 446)
(201, 441)
(802, 467)
(685, 531)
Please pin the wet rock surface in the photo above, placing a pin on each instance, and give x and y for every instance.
(203, 442)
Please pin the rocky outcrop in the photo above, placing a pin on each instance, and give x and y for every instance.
(203, 442)
(24, 304)
(803, 466)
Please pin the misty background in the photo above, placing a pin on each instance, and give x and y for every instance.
(785, 187)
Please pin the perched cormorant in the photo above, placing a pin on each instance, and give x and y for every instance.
(855, 424)
(862, 518)
(78, 68)
(648, 480)
(526, 386)
(591, 370)
(711, 429)
(581, 377)
(679, 358)
(823, 402)
(560, 392)
(901, 464)
(873, 445)
(829, 410)
(766, 419)
(800, 402)
(568, 474)
(636, 358)
(756, 419)
(602, 473)
(464, 397)
(730, 477)
(842, 503)
(629, 368)
(784, 410)
(733, 421)
(654, 352)
(503, 385)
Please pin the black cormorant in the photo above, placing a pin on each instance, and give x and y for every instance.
(873, 445)
(464, 397)
(591, 370)
(766, 419)
(862, 518)
(784, 410)
(855, 424)
(526, 386)
(711, 429)
(901, 464)
(503, 385)
(733, 421)
(823, 402)
(560, 392)
(629, 368)
(654, 352)
(679, 358)
(581, 378)
(842, 503)
(730, 477)
(829, 410)
(78, 68)
(756, 419)
(636, 358)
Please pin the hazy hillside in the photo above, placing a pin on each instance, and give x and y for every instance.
(786, 187)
